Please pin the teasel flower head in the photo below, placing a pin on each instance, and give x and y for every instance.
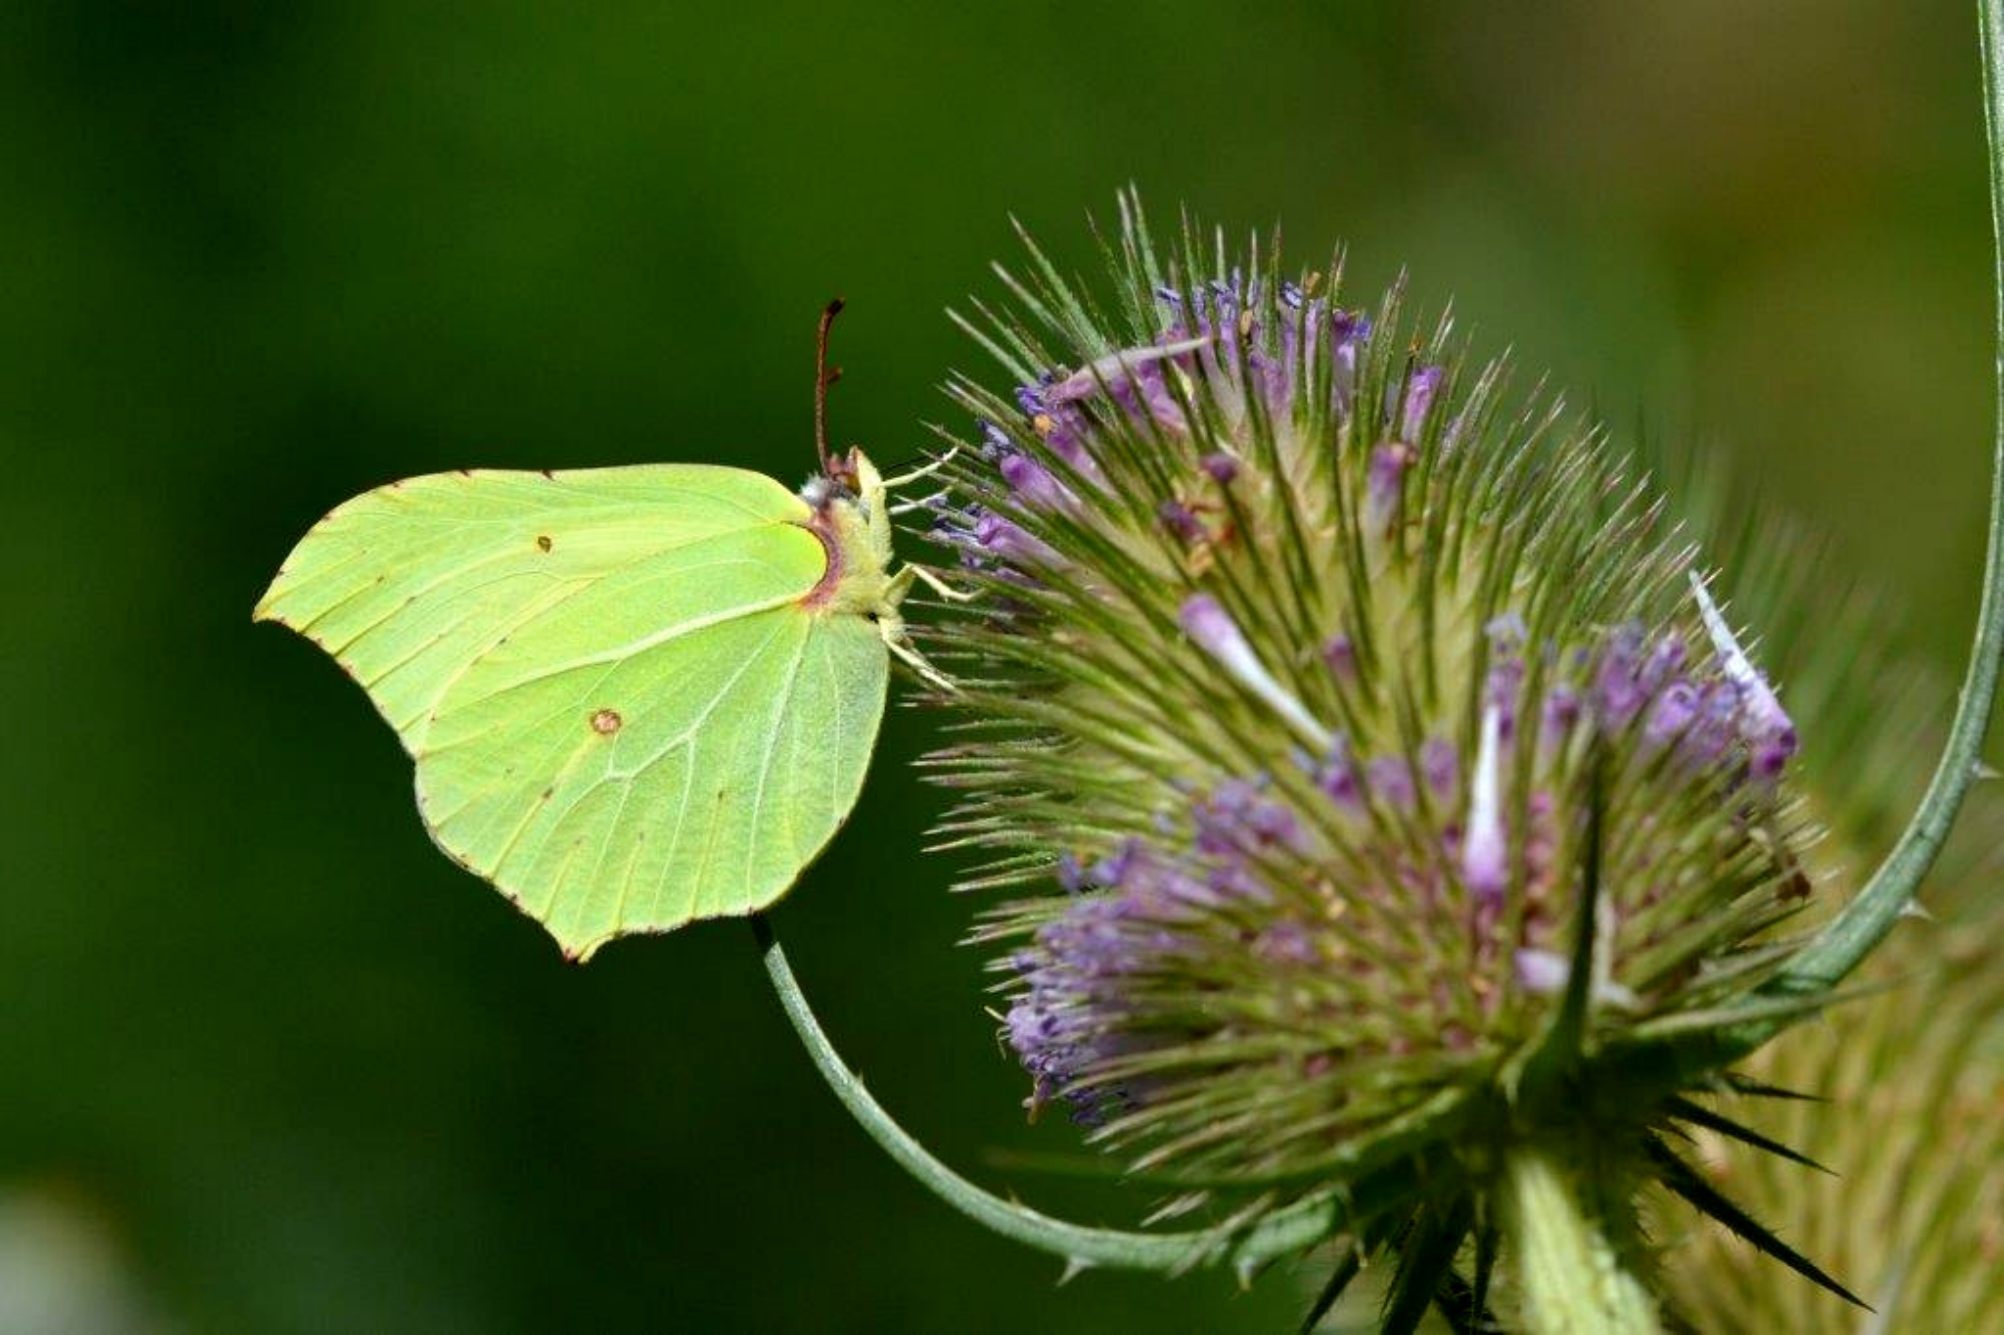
(1370, 773)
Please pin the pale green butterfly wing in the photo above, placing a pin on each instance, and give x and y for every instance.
(627, 705)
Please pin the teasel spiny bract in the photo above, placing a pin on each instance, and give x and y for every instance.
(1380, 788)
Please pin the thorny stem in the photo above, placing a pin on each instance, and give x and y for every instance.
(1866, 920)
(1289, 1230)
(1839, 949)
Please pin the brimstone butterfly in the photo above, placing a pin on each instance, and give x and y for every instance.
(635, 696)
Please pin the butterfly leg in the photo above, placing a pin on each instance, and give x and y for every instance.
(926, 470)
(922, 503)
(901, 649)
(935, 583)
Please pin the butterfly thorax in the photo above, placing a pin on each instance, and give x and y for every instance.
(853, 524)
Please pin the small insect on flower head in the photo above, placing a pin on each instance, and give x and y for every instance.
(1314, 683)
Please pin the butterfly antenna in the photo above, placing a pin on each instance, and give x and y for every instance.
(824, 376)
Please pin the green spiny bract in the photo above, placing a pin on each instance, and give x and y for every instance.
(1375, 777)
(1907, 1121)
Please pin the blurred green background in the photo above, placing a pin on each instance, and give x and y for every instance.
(268, 1062)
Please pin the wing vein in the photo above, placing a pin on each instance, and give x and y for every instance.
(765, 763)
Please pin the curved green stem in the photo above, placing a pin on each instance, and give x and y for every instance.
(1284, 1231)
(1864, 922)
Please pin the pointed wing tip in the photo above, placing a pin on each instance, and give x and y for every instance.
(576, 950)
(583, 949)
(268, 602)
(272, 612)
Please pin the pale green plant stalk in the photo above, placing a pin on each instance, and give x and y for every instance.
(1574, 1281)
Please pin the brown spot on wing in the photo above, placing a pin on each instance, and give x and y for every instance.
(606, 722)
(543, 541)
